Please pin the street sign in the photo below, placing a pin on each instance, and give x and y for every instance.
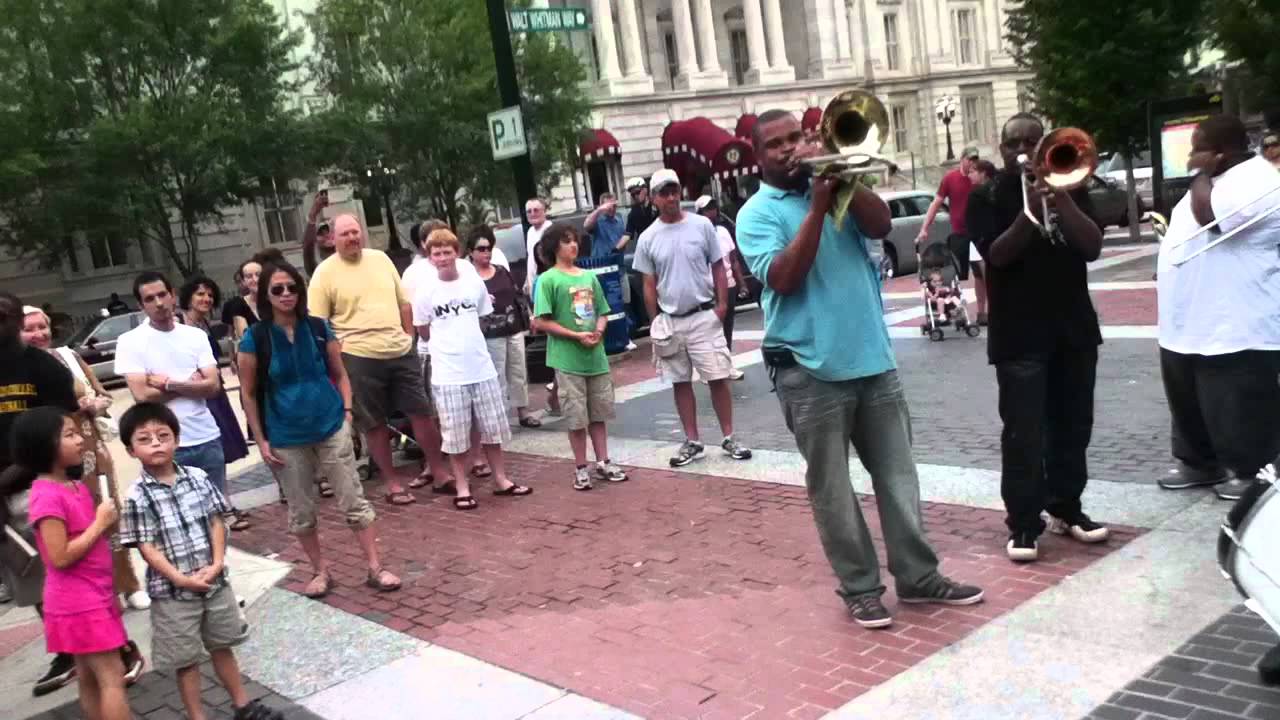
(506, 133)
(549, 19)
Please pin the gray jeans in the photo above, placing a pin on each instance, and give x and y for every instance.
(870, 412)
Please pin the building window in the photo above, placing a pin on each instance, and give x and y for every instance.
(900, 124)
(108, 250)
(281, 215)
(975, 111)
(891, 39)
(966, 54)
(738, 53)
(673, 57)
(595, 58)
(69, 247)
(1025, 102)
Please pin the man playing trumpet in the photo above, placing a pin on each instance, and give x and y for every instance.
(1043, 340)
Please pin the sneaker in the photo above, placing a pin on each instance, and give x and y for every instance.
(737, 374)
(735, 449)
(61, 672)
(944, 592)
(869, 612)
(1182, 477)
(138, 600)
(1232, 489)
(606, 470)
(255, 710)
(691, 450)
(581, 479)
(133, 662)
(1023, 547)
(1081, 527)
(5, 595)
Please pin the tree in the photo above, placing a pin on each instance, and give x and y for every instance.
(1097, 63)
(413, 82)
(1246, 31)
(159, 115)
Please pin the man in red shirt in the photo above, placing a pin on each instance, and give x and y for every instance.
(954, 190)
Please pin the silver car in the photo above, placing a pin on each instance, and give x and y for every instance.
(908, 208)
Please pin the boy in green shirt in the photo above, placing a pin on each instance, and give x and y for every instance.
(569, 306)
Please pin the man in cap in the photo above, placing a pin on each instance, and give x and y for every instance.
(709, 209)
(643, 212)
(954, 190)
(536, 210)
(686, 294)
(605, 227)
(1271, 149)
(316, 238)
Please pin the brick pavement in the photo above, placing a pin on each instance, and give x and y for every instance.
(670, 596)
(1213, 676)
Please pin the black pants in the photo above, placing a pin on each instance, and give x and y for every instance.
(1046, 404)
(728, 321)
(1225, 409)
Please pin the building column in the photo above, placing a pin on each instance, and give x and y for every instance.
(602, 25)
(843, 47)
(828, 44)
(635, 80)
(757, 62)
(777, 40)
(707, 37)
(689, 77)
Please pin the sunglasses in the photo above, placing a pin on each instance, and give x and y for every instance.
(481, 248)
(279, 290)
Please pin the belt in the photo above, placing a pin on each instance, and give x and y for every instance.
(775, 359)
(708, 305)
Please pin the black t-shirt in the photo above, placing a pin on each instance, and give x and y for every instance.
(32, 378)
(638, 220)
(1040, 302)
(238, 307)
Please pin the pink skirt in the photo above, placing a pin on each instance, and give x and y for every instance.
(83, 633)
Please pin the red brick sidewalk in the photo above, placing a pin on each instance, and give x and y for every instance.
(669, 596)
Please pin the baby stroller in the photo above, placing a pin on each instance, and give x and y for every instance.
(402, 441)
(939, 274)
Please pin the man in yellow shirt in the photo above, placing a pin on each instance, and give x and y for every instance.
(358, 290)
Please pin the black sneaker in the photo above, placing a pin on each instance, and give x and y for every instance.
(255, 710)
(869, 612)
(133, 662)
(1023, 547)
(691, 450)
(1081, 527)
(61, 672)
(943, 592)
(1232, 489)
(1183, 477)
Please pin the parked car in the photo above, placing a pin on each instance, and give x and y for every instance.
(907, 209)
(1111, 201)
(95, 342)
(1112, 167)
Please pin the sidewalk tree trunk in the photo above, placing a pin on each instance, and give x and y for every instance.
(1097, 63)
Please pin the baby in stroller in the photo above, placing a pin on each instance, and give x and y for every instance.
(943, 296)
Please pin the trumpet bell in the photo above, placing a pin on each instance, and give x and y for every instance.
(854, 125)
(1065, 158)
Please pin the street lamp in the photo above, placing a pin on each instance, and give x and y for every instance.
(946, 109)
(382, 178)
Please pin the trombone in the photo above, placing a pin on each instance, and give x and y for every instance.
(1234, 231)
(853, 128)
(1064, 159)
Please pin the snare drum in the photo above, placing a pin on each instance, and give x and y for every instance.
(1249, 550)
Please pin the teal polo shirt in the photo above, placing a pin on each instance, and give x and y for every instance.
(834, 323)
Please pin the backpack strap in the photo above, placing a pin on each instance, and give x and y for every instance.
(261, 332)
(318, 332)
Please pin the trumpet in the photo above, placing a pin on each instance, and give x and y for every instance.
(1063, 160)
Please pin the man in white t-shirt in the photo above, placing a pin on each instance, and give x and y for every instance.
(1220, 316)
(164, 361)
(464, 382)
(536, 211)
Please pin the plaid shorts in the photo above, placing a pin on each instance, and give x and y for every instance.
(458, 404)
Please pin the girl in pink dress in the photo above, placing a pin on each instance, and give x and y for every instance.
(81, 616)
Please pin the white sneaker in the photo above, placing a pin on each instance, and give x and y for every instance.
(581, 479)
(737, 374)
(138, 600)
(608, 471)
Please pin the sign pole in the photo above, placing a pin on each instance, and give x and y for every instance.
(509, 89)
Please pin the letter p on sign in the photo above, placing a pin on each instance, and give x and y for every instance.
(506, 133)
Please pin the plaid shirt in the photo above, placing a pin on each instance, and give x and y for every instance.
(176, 520)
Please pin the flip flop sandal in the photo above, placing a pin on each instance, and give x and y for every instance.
(401, 498)
(326, 490)
(481, 471)
(530, 422)
(466, 502)
(240, 523)
(514, 490)
(314, 592)
(421, 481)
(445, 489)
(379, 582)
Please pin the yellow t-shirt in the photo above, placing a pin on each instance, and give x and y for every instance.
(362, 301)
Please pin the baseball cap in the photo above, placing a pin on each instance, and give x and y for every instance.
(635, 183)
(970, 151)
(1271, 140)
(704, 201)
(663, 178)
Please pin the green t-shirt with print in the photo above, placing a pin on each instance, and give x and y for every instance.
(574, 301)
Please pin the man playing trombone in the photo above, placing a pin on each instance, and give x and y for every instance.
(1219, 315)
(1043, 337)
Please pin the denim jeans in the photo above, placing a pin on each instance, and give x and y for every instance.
(209, 458)
(1046, 404)
(870, 412)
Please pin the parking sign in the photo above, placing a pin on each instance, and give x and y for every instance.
(506, 133)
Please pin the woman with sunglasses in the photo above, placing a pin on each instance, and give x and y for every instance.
(504, 330)
(297, 398)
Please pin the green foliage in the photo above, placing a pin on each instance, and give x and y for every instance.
(1246, 30)
(144, 119)
(414, 81)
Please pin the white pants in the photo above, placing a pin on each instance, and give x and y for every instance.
(508, 359)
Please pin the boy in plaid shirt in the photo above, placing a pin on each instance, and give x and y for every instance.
(175, 517)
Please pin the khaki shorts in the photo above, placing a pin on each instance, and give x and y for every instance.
(585, 399)
(379, 387)
(694, 342)
(333, 459)
(182, 630)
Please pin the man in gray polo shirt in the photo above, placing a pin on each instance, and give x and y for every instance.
(685, 292)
